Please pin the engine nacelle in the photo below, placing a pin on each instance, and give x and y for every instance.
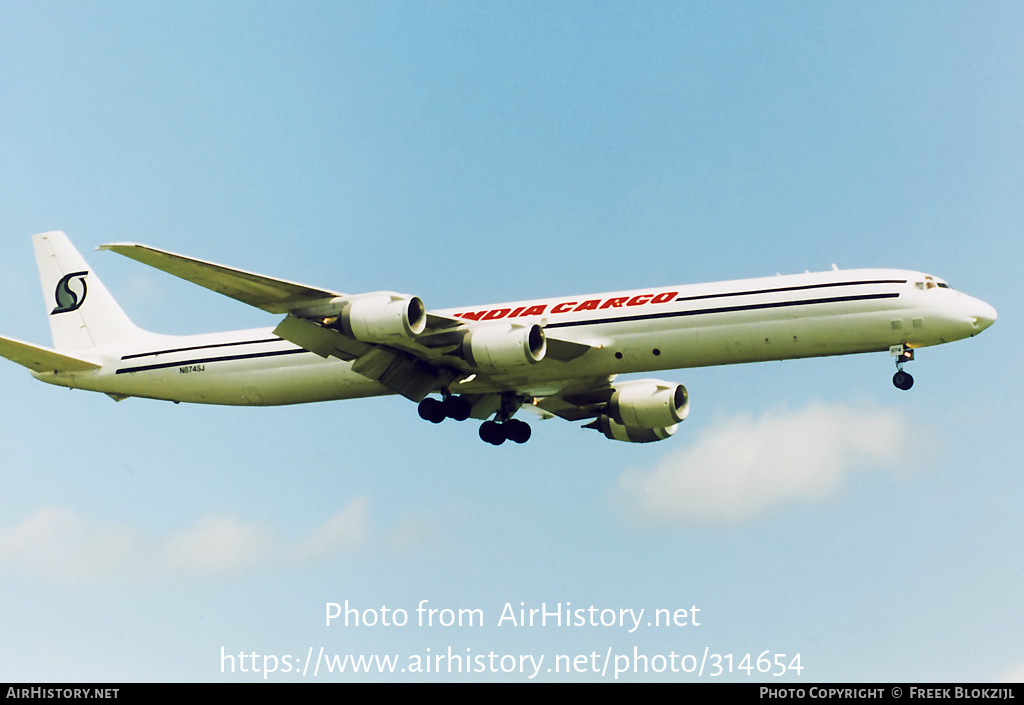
(649, 403)
(631, 434)
(383, 317)
(502, 346)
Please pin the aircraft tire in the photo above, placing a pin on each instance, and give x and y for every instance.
(431, 410)
(902, 380)
(457, 408)
(518, 431)
(492, 432)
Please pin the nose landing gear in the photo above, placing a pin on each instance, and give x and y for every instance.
(903, 354)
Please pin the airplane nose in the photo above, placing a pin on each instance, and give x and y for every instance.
(983, 315)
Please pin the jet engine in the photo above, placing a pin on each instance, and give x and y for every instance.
(649, 403)
(382, 317)
(503, 346)
(643, 411)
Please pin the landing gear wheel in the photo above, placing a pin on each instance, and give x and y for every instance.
(431, 410)
(492, 432)
(457, 408)
(903, 380)
(518, 431)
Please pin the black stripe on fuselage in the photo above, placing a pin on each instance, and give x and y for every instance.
(205, 360)
(209, 346)
(722, 309)
(802, 287)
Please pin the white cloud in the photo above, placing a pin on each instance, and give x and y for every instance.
(744, 467)
(342, 531)
(57, 543)
(217, 544)
(54, 540)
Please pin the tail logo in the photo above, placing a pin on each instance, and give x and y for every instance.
(67, 298)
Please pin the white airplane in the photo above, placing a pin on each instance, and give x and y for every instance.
(558, 356)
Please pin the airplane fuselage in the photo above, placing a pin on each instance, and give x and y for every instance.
(774, 318)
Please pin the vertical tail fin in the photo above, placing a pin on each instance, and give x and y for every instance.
(82, 312)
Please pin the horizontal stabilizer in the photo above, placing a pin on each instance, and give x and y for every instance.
(267, 293)
(40, 359)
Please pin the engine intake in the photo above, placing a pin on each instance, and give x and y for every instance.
(502, 346)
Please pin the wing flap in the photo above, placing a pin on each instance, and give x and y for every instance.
(325, 342)
(42, 360)
(399, 371)
(584, 399)
(405, 374)
(270, 294)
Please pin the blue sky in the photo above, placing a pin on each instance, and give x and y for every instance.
(472, 152)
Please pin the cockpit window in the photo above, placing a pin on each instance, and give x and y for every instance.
(931, 283)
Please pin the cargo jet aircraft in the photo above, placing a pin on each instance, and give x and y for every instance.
(557, 356)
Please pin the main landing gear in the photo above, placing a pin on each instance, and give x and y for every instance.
(502, 428)
(496, 433)
(437, 410)
(903, 354)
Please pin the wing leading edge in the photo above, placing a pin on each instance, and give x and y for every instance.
(267, 293)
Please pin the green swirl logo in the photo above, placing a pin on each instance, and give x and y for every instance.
(67, 298)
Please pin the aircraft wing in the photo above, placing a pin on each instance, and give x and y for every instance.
(39, 359)
(389, 337)
(270, 294)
